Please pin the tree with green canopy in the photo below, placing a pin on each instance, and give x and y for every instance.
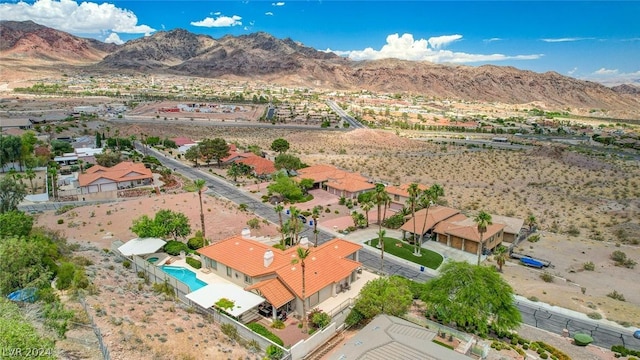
(286, 187)
(214, 149)
(16, 332)
(384, 295)
(22, 264)
(288, 162)
(15, 223)
(165, 223)
(193, 154)
(11, 194)
(473, 297)
(280, 145)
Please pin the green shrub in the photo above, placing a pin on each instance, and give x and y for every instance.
(174, 248)
(623, 351)
(589, 266)
(259, 329)
(544, 356)
(546, 277)
(354, 318)
(533, 238)
(278, 324)
(616, 295)
(195, 242)
(196, 264)
(254, 223)
(126, 264)
(394, 221)
(320, 319)
(442, 344)
(60, 221)
(230, 331)
(65, 275)
(594, 315)
(274, 353)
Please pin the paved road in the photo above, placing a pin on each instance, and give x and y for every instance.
(353, 123)
(535, 314)
(219, 187)
(227, 123)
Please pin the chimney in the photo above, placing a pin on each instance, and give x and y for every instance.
(268, 258)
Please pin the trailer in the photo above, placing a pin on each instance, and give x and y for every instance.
(530, 261)
(527, 261)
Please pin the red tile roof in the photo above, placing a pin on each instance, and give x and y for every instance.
(402, 190)
(436, 214)
(180, 141)
(124, 171)
(274, 291)
(325, 265)
(466, 228)
(260, 165)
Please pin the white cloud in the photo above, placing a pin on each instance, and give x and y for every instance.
(217, 13)
(603, 71)
(406, 48)
(440, 41)
(113, 38)
(492, 40)
(69, 16)
(279, 3)
(220, 21)
(567, 39)
(269, 13)
(572, 71)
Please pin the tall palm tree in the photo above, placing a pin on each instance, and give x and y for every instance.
(381, 235)
(483, 219)
(294, 228)
(279, 209)
(380, 197)
(366, 206)
(53, 172)
(301, 255)
(413, 191)
(501, 256)
(30, 174)
(429, 197)
(200, 185)
(315, 214)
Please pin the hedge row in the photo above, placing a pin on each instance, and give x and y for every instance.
(259, 329)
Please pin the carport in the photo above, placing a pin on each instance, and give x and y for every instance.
(209, 295)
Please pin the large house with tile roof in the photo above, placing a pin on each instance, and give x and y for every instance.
(400, 195)
(435, 215)
(336, 181)
(461, 232)
(124, 175)
(271, 273)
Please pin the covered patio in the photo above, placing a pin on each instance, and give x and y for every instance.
(243, 301)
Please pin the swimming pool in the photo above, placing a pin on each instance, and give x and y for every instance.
(184, 275)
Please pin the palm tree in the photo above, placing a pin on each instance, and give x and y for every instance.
(53, 172)
(302, 254)
(80, 162)
(379, 198)
(483, 219)
(118, 139)
(381, 235)
(531, 221)
(429, 197)
(295, 227)
(278, 209)
(366, 207)
(413, 191)
(30, 174)
(501, 256)
(200, 185)
(315, 214)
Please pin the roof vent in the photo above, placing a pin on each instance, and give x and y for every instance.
(268, 258)
(304, 242)
(245, 233)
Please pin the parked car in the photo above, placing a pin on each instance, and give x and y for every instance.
(637, 334)
(302, 218)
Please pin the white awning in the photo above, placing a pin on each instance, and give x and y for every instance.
(141, 246)
(210, 294)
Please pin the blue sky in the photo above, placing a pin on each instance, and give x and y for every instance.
(585, 39)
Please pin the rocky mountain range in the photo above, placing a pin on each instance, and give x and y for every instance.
(27, 40)
(264, 57)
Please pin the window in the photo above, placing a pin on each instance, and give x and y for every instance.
(247, 279)
(396, 197)
(228, 271)
(213, 264)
